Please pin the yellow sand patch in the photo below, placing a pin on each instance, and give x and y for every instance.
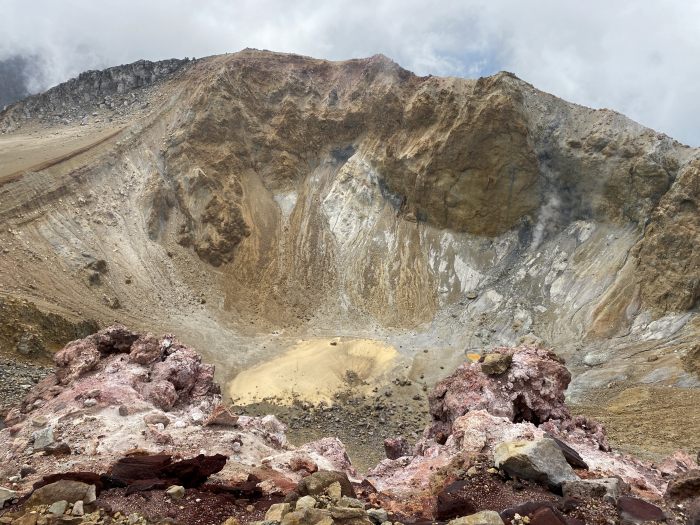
(315, 370)
(473, 357)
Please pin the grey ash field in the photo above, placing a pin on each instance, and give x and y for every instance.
(337, 238)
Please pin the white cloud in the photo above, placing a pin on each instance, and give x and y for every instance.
(633, 56)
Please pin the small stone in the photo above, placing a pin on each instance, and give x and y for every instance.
(39, 421)
(43, 438)
(378, 516)
(231, 521)
(58, 507)
(495, 364)
(64, 489)
(90, 495)
(608, 488)
(635, 509)
(90, 402)
(123, 410)
(317, 483)
(540, 460)
(486, 517)
(277, 511)
(334, 491)
(78, 509)
(472, 471)
(351, 503)
(306, 502)
(684, 486)
(156, 418)
(346, 513)
(175, 492)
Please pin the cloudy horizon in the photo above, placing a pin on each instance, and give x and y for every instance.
(638, 59)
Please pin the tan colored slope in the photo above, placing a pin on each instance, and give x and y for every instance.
(315, 371)
(263, 198)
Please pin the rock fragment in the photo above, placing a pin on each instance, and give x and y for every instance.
(541, 460)
(486, 517)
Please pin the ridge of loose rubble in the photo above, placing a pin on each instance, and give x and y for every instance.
(131, 428)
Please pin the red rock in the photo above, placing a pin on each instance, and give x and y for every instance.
(546, 516)
(181, 368)
(146, 350)
(394, 448)
(76, 359)
(156, 436)
(532, 390)
(204, 382)
(302, 461)
(161, 393)
(635, 509)
(132, 468)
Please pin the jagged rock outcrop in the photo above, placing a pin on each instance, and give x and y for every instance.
(105, 401)
(92, 89)
(476, 425)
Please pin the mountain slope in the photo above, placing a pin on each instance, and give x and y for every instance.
(252, 199)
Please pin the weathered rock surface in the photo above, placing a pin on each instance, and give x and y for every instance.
(101, 368)
(532, 390)
(540, 460)
(486, 517)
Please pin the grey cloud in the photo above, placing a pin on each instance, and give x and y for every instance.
(639, 58)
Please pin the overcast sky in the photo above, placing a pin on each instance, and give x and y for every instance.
(639, 57)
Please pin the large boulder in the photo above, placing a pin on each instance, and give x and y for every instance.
(62, 490)
(6, 495)
(541, 460)
(525, 383)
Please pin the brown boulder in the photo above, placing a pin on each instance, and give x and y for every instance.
(684, 486)
(635, 509)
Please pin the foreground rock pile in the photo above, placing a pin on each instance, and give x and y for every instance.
(130, 428)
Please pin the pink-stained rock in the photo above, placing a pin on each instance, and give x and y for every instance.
(531, 389)
(146, 350)
(677, 463)
(180, 367)
(300, 461)
(76, 359)
(161, 393)
(204, 381)
(394, 448)
(114, 339)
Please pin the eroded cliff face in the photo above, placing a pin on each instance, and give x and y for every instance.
(256, 198)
